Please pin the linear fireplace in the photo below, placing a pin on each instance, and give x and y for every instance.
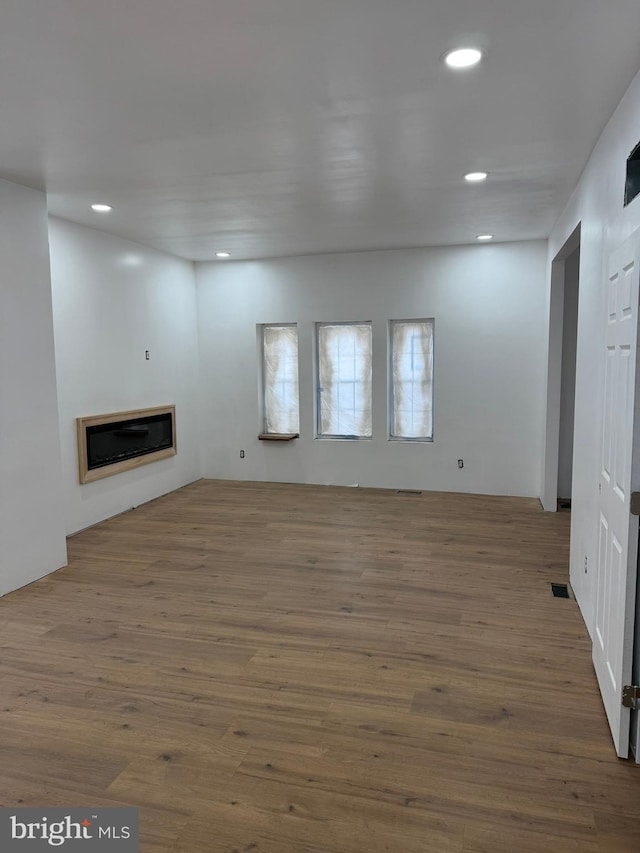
(109, 444)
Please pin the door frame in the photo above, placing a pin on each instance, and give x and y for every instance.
(550, 456)
(635, 670)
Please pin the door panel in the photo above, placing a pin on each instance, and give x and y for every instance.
(618, 530)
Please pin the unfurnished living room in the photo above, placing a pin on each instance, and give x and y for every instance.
(319, 426)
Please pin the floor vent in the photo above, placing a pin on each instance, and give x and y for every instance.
(560, 590)
(409, 492)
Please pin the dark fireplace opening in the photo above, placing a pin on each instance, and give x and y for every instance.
(121, 440)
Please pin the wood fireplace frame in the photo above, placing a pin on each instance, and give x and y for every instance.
(87, 475)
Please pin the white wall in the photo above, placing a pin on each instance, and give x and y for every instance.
(32, 542)
(568, 374)
(488, 303)
(112, 300)
(597, 203)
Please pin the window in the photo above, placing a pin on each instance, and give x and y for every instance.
(411, 379)
(280, 379)
(344, 380)
(632, 184)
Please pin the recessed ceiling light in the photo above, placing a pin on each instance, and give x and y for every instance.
(476, 177)
(132, 260)
(484, 237)
(463, 57)
(101, 208)
(223, 254)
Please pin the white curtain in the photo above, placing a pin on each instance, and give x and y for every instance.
(280, 377)
(344, 375)
(412, 378)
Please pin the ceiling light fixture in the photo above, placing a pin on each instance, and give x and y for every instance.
(476, 177)
(101, 208)
(484, 237)
(463, 57)
(223, 254)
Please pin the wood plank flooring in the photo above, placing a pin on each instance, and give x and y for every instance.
(296, 669)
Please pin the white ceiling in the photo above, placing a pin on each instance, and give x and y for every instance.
(283, 127)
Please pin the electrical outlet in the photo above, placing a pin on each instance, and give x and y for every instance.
(242, 454)
(585, 564)
(460, 463)
(146, 354)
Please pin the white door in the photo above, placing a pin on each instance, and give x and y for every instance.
(619, 476)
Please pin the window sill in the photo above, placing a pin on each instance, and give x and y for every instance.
(278, 436)
(343, 438)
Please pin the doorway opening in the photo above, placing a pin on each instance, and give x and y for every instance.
(557, 474)
(568, 378)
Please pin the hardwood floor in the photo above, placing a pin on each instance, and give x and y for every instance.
(297, 669)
